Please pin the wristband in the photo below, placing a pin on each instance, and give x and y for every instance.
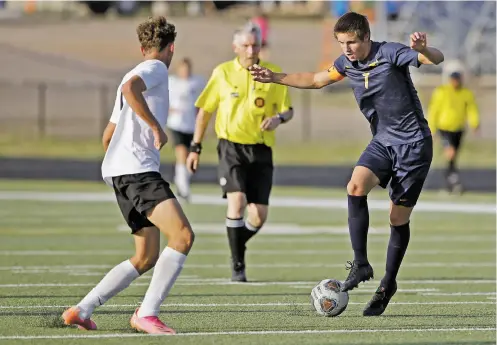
(282, 119)
(196, 147)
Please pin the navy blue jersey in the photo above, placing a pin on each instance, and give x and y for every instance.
(385, 93)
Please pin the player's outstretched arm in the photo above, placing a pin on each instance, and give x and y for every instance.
(427, 55)
(304, 80)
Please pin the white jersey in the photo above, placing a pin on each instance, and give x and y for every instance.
(131, 149)
(182, 96)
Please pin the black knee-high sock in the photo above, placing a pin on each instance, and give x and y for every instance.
(238, 235)
(451, 166)
(358, 227)
(399, 240)
(249, 231)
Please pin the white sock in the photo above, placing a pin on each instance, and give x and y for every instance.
(182, 179)
(166, 270)
(114, 282)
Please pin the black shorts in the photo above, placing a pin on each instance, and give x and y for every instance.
(181, 138)
(405, 166)
(247, 169)
(451, 138)
(138, 193)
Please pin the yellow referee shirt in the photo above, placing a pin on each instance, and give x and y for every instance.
(450, 109)
(242, 104)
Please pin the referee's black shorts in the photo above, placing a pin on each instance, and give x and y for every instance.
(247, 169)
(451, 138)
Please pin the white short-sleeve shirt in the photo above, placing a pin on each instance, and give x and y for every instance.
(131, 149)
(182, 96)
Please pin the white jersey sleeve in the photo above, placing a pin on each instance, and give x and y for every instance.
(152, 73)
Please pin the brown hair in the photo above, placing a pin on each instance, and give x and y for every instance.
(156, 33)
(353, 22)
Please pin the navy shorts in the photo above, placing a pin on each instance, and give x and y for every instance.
(405, 166)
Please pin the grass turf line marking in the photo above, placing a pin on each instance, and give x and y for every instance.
(204, 199)
(319, 265)
(267, 252)
(214, 305)
(264, 283)
(313, 331)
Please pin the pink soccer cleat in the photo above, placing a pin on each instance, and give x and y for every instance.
(71, 317)
(150, 325)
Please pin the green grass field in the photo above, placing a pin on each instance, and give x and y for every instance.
(55, 246)
(475, 153)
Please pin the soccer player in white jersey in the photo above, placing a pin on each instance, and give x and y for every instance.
(184, 89)
(132, 141)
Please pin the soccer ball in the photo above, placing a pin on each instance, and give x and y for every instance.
(327, 299)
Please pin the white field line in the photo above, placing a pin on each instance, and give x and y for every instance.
(203, 199)
(277, 229)
(458, 293)
(339, 238)
(273, 332)
(303, 284)
(341, 265)
(220, 305)
(225, 252)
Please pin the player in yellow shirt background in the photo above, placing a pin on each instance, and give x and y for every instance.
(248, 112)
(452, 108)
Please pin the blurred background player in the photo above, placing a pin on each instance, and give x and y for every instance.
(452, 106)
(132, 140)
(401, 150)
(184, 89)
(247, 115)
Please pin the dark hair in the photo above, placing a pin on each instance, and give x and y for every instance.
(353, 22)
(156, 33)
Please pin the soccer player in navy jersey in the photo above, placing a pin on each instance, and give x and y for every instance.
(401, 149)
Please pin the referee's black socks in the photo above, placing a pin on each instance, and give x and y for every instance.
(358, 227)
(239, 233)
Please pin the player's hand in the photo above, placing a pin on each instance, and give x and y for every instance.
(418, 41)
(270, 124)
(160, 138)
(192, 162)
(261, 74)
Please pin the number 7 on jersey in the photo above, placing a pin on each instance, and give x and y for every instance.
(366, 79)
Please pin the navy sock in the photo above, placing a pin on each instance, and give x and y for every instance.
(399, 240)
(358, 227)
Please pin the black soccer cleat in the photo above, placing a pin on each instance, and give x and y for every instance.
(238, 273)
(377, 305)
(358, 274)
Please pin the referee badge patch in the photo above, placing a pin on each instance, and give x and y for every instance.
(259, 102)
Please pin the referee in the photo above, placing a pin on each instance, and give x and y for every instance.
(451, 107)
(248, 112)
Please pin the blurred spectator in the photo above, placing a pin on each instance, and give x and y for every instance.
(262, 20)
(451, 107)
